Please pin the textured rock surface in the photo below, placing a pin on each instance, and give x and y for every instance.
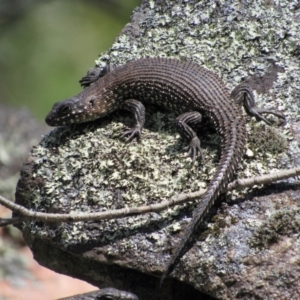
(250, 247)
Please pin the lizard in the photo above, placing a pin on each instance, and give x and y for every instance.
(104, 294)
(183, 87)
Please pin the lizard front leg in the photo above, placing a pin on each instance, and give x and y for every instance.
(138, 110)
(243, 94)
(188, 133)
(94, 74)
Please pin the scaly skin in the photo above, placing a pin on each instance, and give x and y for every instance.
(104, 294)
(183, 87)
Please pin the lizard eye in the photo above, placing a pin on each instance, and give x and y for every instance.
(65, 109)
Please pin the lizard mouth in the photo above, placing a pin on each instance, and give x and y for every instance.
(50, 121)
(61, 114)
(55, 121)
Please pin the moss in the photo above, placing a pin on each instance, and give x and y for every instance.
(218, 224)
(266, 140)
(285, 222)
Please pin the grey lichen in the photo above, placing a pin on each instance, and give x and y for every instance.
(88, 168)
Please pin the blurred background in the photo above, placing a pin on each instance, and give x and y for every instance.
(45, 48)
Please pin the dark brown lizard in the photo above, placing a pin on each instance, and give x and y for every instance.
(104, 294)
(185, 88)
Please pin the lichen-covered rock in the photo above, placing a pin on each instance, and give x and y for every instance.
(247, 249)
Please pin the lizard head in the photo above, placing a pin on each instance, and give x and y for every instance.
(86, 106)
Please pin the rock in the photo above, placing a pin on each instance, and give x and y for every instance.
(248, 248)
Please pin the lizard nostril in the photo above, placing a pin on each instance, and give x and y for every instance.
(92, 101)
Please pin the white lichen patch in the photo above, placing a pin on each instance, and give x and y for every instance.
(89, 168)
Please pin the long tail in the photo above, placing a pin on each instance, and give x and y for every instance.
(234, 144)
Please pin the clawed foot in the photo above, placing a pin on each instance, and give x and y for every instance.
(94, 74)
(134, 132)
(91, 76)
(243, 94)
(256, 112)
(252, 109)
(194, 149)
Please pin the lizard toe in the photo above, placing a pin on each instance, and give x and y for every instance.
(134, 132)
(194, 149)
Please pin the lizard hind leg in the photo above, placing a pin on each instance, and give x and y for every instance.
(188, 133)
(243, 94)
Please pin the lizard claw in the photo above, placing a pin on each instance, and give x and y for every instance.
(194, 148)
(134, 132)
(259, 117)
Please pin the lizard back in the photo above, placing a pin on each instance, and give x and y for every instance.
(176, 85)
